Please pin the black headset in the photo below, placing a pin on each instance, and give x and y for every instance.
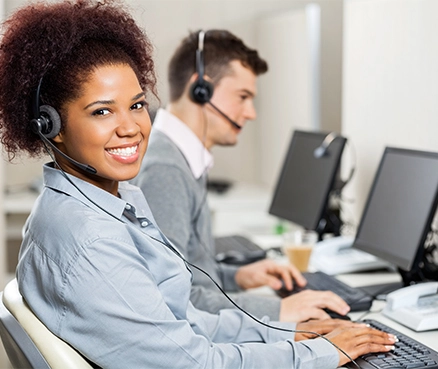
(201, 91)
(46, 120)
(322, 151)
(46, 123)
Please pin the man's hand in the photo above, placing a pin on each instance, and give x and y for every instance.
(309, 304)
(269, 273)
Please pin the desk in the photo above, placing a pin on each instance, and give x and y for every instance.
(362, 279)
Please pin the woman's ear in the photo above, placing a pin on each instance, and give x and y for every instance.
(58, 138)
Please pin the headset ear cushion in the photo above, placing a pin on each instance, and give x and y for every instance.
(201, 91)
(54, 127)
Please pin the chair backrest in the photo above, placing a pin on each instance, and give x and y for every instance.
(27, 341)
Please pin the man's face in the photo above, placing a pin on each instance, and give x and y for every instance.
(234, 96)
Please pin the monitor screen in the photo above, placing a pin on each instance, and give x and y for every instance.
(400, 207)
(306, 180)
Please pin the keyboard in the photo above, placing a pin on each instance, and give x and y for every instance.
(237, 250)
(357, 299)
(234, 243)
(408, 353)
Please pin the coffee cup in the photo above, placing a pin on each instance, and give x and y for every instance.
(298, 246)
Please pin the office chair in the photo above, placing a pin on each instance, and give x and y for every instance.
(27, 341)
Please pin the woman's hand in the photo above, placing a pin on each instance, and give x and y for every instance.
(360, 340)
(320, 327)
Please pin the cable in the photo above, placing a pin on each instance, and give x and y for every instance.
(74, 185)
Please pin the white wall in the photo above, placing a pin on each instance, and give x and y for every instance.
(390, 90)
(290, 94)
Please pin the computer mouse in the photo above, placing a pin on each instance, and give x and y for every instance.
(240, 258)
(335, 315)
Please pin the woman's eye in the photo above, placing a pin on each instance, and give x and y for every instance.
(138, 105)
(102, 112)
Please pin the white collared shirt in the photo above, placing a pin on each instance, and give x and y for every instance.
(199, 158)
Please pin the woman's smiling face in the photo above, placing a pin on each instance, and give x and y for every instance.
(107, 127)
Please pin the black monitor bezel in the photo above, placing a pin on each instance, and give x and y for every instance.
(330, 186)
(408, 265)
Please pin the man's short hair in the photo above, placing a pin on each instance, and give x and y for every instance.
(220, 48)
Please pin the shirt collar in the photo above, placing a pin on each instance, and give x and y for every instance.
(95, 197)
(199, 158)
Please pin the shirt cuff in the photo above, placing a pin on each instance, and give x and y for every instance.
(227, 274)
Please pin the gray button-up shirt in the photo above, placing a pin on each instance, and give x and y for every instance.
(98, 273)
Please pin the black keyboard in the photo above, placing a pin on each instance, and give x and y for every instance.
(408, 353)
(235, 243)
(357, 299)
(237, 250)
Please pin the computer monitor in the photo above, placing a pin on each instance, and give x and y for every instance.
(306, 181)
(400, 209)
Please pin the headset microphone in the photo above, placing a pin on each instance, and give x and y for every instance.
(47, 124)
(85, 167)
(224, 115)
(322, 150)
(201, 91)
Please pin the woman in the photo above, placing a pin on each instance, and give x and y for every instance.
(93, 266)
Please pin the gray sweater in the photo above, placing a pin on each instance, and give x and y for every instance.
(179, 204)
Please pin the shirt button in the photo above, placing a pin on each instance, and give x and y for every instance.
(128, 207)
(144, 223)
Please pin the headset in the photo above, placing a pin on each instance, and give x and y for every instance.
(46, 123)
(201, 91)
(323, 150)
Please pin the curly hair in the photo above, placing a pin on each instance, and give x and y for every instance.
(61, 44)
(220, 48)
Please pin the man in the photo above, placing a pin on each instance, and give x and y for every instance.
(207, 110)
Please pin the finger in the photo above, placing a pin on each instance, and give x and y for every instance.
(286, 277)
(332, 301)
(271, 281)
(292, 276)
(297, 276)
(363, 350)
(373, 344)
(318, 314)
(325, 326)
(368, 334)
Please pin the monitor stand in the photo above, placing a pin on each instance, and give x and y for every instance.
(379, 291)
(330, 223)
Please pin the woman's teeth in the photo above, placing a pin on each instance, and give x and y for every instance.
(126, 151)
